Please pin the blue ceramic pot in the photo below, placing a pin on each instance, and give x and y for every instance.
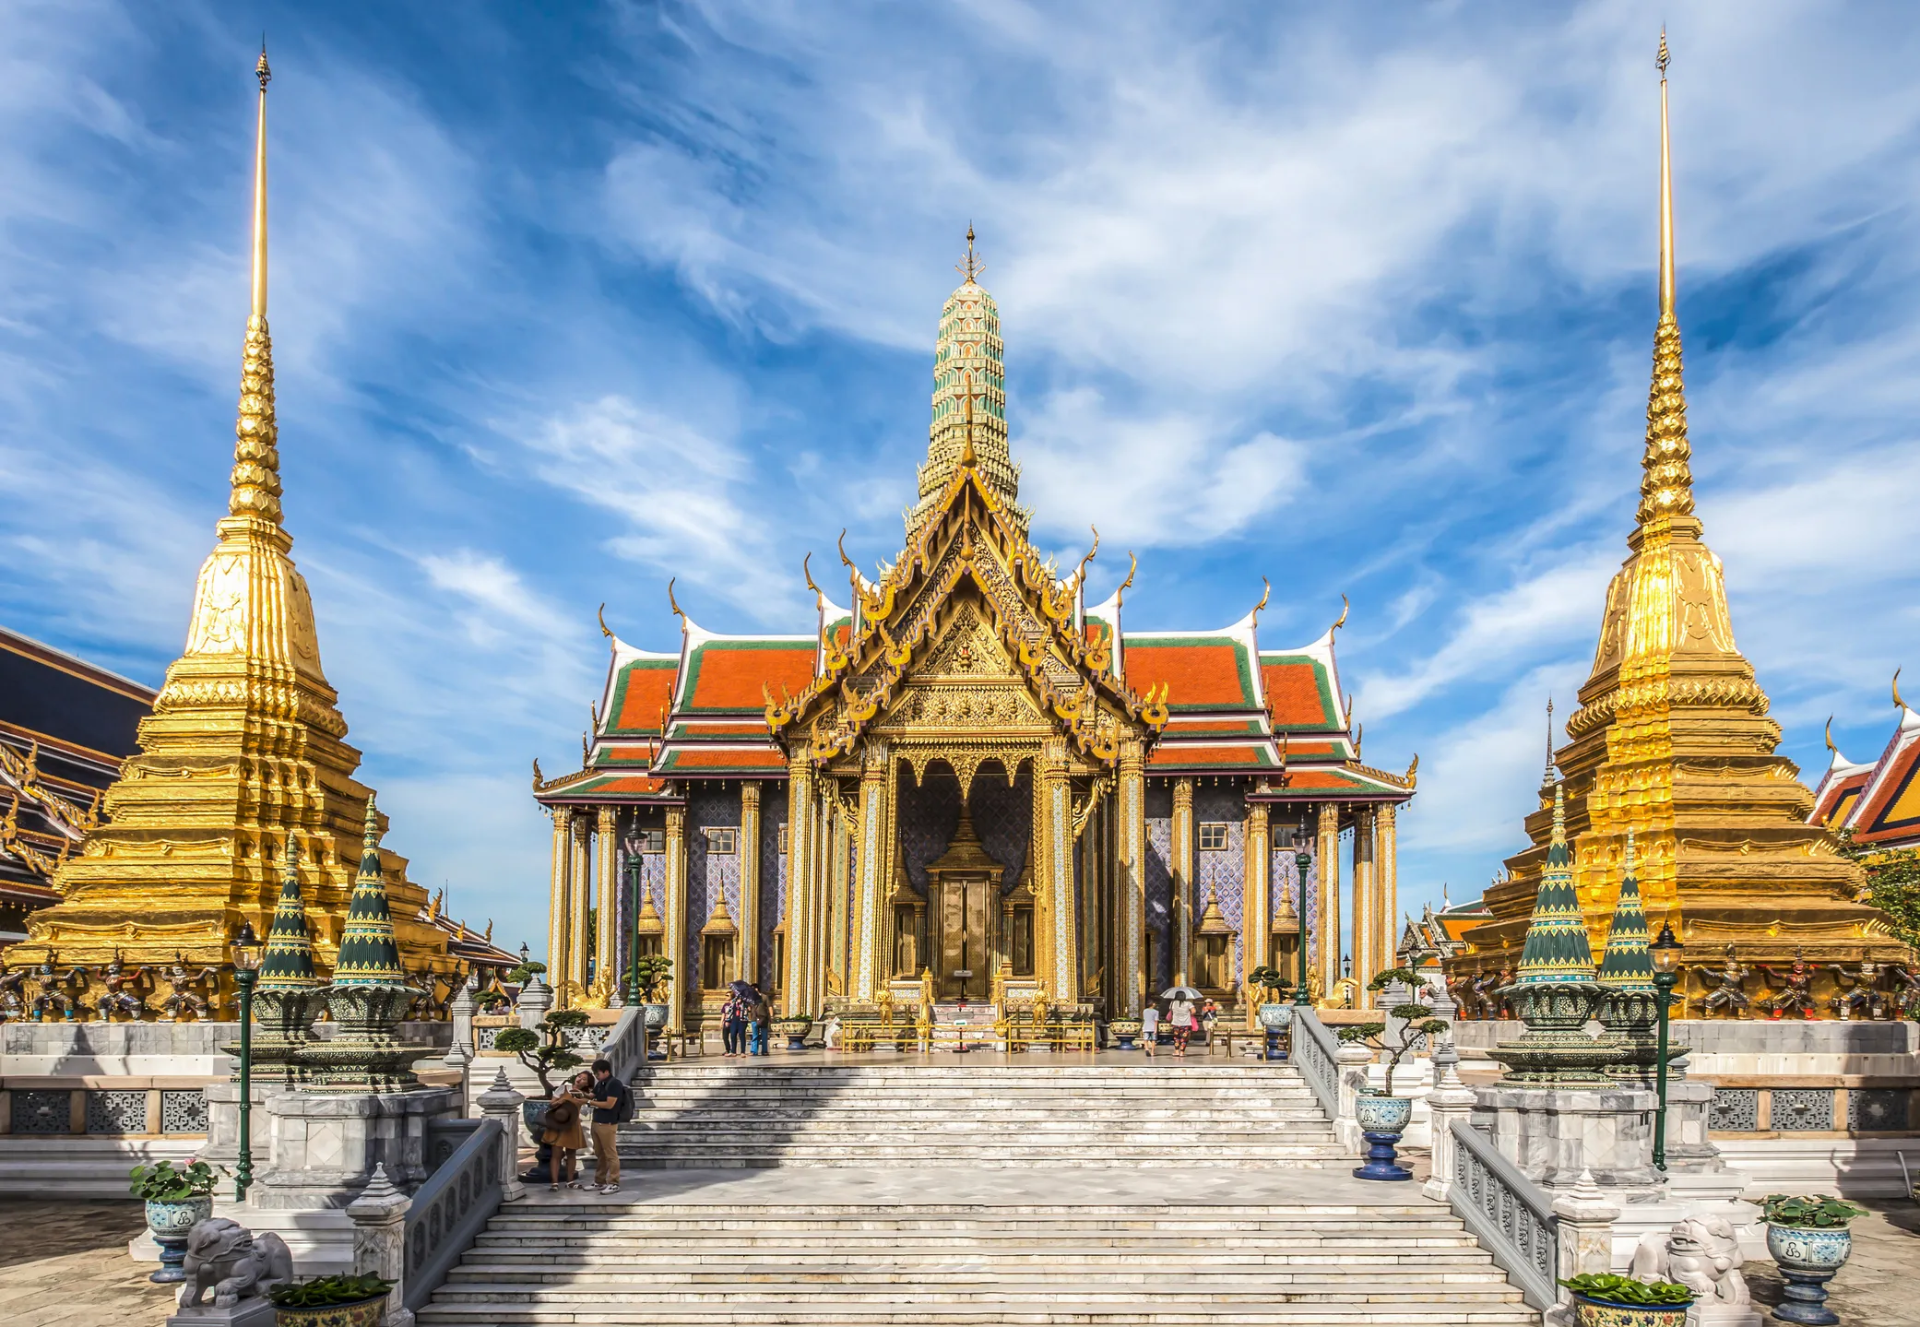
(1382, 1120)
(1276, 1017)
(655, 1015)
(1591, 1312)
(1807, 1257)
(169, 1222)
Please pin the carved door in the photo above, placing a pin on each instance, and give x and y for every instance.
(965, 959)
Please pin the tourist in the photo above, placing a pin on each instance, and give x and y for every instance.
(562, 1132)
(1149, 1027)
(759, 1023)
(1180, 1015)
(733, 1025)
(612, 1107)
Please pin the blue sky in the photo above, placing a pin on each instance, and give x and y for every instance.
(1360, 298)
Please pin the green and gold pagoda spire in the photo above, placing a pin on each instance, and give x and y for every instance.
(369, 955)
(1627, 964)
(1556, 948)
(291, 992)
(289, 956)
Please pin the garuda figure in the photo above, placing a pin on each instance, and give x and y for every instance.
(1795, 990)
(121, 991)
(56, 991)
(1864, 999)
(1726, 995)
(184, 999)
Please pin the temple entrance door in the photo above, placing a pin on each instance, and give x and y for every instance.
(963, 954)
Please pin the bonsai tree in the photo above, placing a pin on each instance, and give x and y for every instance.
(161, 1182)
(546, 1048)
(491, 1001)
(1807, 1211)
(653, 970)
(1417, 1027)
(1269, 980)
(526, 972)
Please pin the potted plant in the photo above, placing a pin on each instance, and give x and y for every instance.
(1124, 1030)
(654, 971)
(795, 1029)
(177, 1200)
(1809, 1239)
(1601, 1299)
(331, 1301)
(544, 1049)
(1382, 1116)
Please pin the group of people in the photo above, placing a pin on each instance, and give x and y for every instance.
(1186, 1010)
(564, 1130)
(746, 1017)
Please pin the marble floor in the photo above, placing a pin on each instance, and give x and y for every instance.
(66, 1265)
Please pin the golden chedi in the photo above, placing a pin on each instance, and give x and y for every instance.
(243, 757)
(1672, 745)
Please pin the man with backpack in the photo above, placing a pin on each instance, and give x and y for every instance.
(612, 1107)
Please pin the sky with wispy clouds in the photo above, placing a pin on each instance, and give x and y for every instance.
(570, 299)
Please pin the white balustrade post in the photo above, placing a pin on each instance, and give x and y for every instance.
(460, 1053)
(500, 1102)
(379, 1217)
(1586, 1231)
(536, 997)
(1450, 1102)
(1351, 1061)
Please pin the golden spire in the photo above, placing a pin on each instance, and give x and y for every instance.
(1667, 488)
(256, 455)
(973, 267)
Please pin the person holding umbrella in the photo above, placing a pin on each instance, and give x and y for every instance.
(733, 1018)
(1180, 1016)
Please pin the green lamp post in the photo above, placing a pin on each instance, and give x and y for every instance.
(1666, 952)
(1302, 862)
(246, 968)
(633, 943)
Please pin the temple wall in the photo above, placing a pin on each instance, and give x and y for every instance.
(1159, 919)
(710, 875)
(928, 816)
(1003, 817)
(773, 876)
(1224, 871)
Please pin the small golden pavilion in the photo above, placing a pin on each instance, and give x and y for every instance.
(971, 773)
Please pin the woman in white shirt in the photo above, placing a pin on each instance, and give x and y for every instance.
(1149, 1027)
(1180, 1014)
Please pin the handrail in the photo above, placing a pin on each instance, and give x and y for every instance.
(626, 1046)
(1313, 1055)
(1508, 1213)
(450, 1209)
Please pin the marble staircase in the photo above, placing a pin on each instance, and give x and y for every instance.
(976, 1112)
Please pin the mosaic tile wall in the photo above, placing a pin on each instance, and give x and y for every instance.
(1286, 878)
(653, 877)
(928, 816)
(1003, 817)
(709, 875)
(1223, 871)
(773, 875)
(1159, 806)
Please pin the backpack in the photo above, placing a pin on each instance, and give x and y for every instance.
(623, 1103)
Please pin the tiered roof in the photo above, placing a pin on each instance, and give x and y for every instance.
(1880, 800)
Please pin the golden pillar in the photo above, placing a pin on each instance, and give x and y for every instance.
(750, 881)
(606, 940)
(1387, 887)
(674, 941)
(579, 891)
(1256, 906)
(1326, 927)
(1182, 899)
(1063, 981)
(871, 890)
(1132, 908)
(800, 812)
(559, 905)
(1366, 905)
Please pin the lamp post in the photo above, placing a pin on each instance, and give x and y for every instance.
(1302, 863)
(633, 946)
(246, 969)
(1666, 952)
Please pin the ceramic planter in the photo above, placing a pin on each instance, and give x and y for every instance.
(1276, 1018)
(655, 1015)
(1808, 1257)
(1590, 1312)
(360, 1313)
(169, 1222)
(1124, 1031)
(794, 1030)
(1382, 1120)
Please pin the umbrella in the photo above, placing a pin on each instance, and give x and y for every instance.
(1180, 993)
(746, 990)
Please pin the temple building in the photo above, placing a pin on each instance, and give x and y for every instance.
(1879, 801)
(968, 772)
(1672, 743)
(245, 749)
(65, 727)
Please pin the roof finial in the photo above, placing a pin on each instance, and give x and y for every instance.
(974, 267)
(256, 456)
(1546, 779)
(1667, 486)
(1830, 746)
(1896, 690)
(673, 603)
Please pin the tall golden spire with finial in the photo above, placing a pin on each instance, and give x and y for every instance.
(1671, 743)
(969, 398)
(243, 758)
(1666, 488)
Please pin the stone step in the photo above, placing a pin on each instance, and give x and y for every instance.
(958, 1288)
(1161, 1310)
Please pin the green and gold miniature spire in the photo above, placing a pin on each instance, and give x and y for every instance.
(1557, 948)
(289, 958)
(368, 954)
(1626, 964)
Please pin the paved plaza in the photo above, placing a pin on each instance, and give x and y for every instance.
(66, 1265)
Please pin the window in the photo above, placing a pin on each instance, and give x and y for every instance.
(1213, 838)
(781, 847)
(722, 842)
(653, 841)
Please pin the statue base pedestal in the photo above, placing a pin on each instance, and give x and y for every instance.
(1553, 1134)
(325, 1145)
(255, 1311)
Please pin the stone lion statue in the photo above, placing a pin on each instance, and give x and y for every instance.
(233, 1261)
(1701, 1253)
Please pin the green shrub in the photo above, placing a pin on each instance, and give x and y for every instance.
(325, 1291)
(161, 1183)
(1420, 1025)
(1814, 1211)
(1270, 981)
(1626, 1290)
